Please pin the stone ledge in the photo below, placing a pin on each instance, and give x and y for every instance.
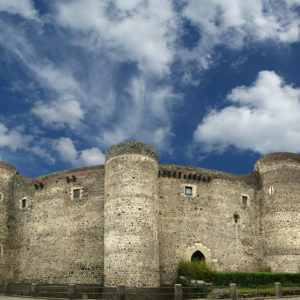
(279, 156)
(131, 148)
(7, 166)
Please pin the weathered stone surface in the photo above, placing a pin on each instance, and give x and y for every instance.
(130, 222)
(7, 173)
(205, 222)
(58, 239)
(280, 210)
(131, 148)
(131, 254)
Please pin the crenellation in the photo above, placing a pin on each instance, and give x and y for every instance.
(130, 221)
(186, 176)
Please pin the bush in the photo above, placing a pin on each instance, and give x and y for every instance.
(199, 270)
(202, 271)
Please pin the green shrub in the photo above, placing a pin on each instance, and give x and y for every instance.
(202, 271)
(199, 270)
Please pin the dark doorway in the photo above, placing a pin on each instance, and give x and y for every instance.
(198, 256)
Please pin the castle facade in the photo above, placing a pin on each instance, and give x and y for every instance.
(129, 222)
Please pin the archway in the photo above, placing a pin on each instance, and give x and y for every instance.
(198, 256)
(190, 250)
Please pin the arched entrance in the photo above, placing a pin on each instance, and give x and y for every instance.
(198, 256)
(191, 250)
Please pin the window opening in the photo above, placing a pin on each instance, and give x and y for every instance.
(76, 193)
(236, 217)
(23, 203)
(244, 200)
(188, 191)
(198, 256)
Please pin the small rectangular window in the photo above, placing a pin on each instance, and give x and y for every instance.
(23, 203)
(244, 200)
(76, 193)
(188, 191)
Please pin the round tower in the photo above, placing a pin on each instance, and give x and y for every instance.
(280, 195)
(131, 254)
(7, 173)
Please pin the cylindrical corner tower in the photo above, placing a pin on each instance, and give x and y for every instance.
(280, 190)
(7, 173)
(131, 254)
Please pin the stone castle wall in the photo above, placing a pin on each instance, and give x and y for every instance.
(131, 222)
(7, 173)
(280, 189)
(205, 221)
(58, 238)
(131, 216)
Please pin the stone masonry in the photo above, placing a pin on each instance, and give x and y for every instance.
(131, 221)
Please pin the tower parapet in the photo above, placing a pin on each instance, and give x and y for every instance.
(7, 173)
(131, 253)
(280, 190)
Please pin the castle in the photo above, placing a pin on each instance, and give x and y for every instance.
(129, 222)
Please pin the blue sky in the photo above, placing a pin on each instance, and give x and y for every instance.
(209, 83)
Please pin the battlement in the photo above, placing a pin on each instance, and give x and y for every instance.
(203, 175)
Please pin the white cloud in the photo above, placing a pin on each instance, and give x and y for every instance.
(147, 32)
(66, 106)
(42, 151)
(263, 118)
(13, 139)
(66, 150)
(68, 153)
(25, 8)
(139, 31)
(59, 113)
(92, 156)
(236, 23)
(83, 88)
(93, 105)
(57, 78)
(145, 117)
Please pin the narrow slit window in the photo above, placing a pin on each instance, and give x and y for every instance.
(188, 191)
(244, 200)
(76, 194)
(24, 203)
(236, 217)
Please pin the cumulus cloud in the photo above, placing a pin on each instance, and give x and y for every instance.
(236, 23)
(68, 153)
(92, 156)
(135, 30)
(13, 139)
(25, 8)
(263, 118)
